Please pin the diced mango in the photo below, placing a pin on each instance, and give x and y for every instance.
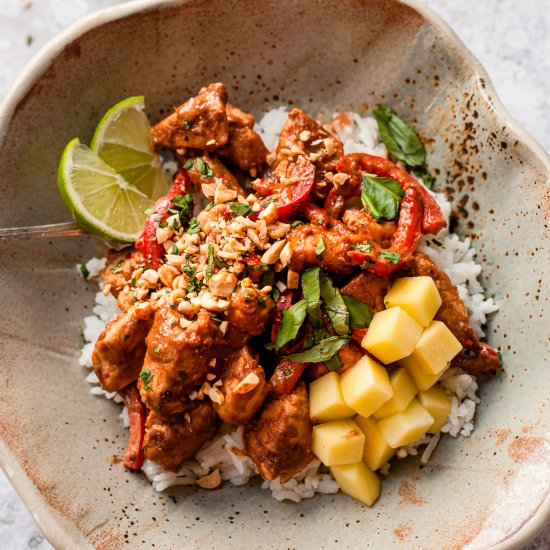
(376, 451)
(405, 427)
(438, 404)
(421, 380)
(435, 348)
(325, 399)
(392, 335)
(358, 482)
(366, 386)
(403, 392)
(418, 296)
(338, 442)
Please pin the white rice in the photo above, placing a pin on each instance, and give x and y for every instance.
(454, 256)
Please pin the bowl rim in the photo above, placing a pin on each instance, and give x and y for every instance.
(59, 535)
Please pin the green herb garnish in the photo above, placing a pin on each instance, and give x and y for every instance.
(186, 124)
(175, 250)
(85, 271)
(311, 288)
(382, 196)
(194, 226)
(116, 267)
(182, 374)
(210, 266)
(400, 139)
(393, 257)
(188, 165)
(425, 176)
(149, 211)
(323, 351)
(204, 169)
(360, 314)
(240, 209)
(363, 247)
(146, 377)
(320, 248)
(293, 318)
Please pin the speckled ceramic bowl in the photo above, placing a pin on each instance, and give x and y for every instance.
(57, 441)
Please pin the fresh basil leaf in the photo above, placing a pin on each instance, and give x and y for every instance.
(312, 294)
(334, 305)
(320, 248)
(323, 351)
(394, 257)
(400, 139)
(293, 318)
(360, 314)
(425, 176)
(240, 209)
(382, 196)
(333, 363)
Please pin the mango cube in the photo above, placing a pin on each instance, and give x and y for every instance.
(358, 482)
(366, 386)
(403, 392)
(338, 442)
(405, 427)
(418, 296)
(392, 335)
(438, 404)
(376, 451)
(325, 399)
(436, 348)
(421, 380)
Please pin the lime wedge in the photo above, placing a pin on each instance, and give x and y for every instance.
(123, 140)
(101, 200)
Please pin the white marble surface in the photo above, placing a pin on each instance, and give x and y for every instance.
(510, 37)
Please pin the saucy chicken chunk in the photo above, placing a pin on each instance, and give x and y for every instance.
(244, 388)
(279, 440)
(249, 310)
(199, 123)
(173, 439)
(120, 349)
(368, 288)
(177, 359)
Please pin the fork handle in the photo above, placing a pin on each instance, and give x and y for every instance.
(66, 229)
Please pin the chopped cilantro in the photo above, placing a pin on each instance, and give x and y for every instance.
(30, 40)
(296, 224)
(149, 211)
(287, 372)
(216, 318)
(85, 271)
(175, 250)
(363, 247)
(126, 336)
(116, 267)
(146, 377)
(186, 124)
(157, 349)
(393, 257)
(499, 358)
(240, 209)
(182, 374)
(220, 263)
(260, 267)
(204, 169)
(210, 266)
(194, 226)
(320, 248)
(209, 206)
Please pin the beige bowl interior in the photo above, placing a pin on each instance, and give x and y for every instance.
(57, 440)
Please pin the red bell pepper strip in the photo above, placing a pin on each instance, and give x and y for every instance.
(379, 261)
(432, 217)
(133, 457)
(286, 376)
(296, 193)
(147, 242)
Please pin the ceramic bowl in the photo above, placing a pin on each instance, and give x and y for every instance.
(488, 491)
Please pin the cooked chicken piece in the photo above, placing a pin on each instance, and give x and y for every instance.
(303, 135)
(349, 355)
(245, 148)
(368, 288)
(177, 359)
(338, 241)
(199, 123)
(249, 310)
(120, 349)
(380, 232)
(244, 388)
(477, 357)
(173, 439)
(210, 172)
(279, 441)
(120, 266)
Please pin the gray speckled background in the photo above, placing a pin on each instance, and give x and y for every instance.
(510, 37)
